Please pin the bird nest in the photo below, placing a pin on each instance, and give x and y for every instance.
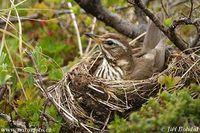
(89, 102)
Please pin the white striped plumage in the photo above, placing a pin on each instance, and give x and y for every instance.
(106, 71)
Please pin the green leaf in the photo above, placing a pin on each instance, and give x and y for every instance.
(170, 109)
(3, 123)
(2, 57)
(43, 68)
(51, 46)
(4, 78)
(40, 60)
(42, 65)
(76, 9)
(56, 74)
(30, 70)
(7, 77)
(52, 111)
(59, 60)
(4, 74)
(176, 80)
(161, 80)
(168, 22)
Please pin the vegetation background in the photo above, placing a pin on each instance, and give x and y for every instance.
(45, 33)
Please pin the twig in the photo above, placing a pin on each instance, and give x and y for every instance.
(42, 117)
(69, 91)
(59, 107)
(95, 89)
(76, 28)
(163, 7)
(138, 37)
(20, 30)
(39, 75)
(106, 122)
(92, 30)
(191, 9)
(190, 68)
(11, 122)
(182, 21)
(50, 118)
(62, 23)
(52, 100)
(197, 38)
(33, 17)
(4, 35)
(122, 8)
(62, 12)
(2, 91)
(169, 32)
(195, 8)
(188, 21)
(16, 72)
(177, 3)
(15, 20)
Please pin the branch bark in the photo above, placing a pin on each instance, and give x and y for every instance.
(95, 8)
(32, 17)
(169, 32)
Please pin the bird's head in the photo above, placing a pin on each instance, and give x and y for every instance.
(113, 46)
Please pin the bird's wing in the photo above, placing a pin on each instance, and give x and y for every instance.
(143, 67)
(146, 62)
(156, 56)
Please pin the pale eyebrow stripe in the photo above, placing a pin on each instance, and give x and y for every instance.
(117, 42)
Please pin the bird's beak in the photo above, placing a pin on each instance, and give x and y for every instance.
(94, 37)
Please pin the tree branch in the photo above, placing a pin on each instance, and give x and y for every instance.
(33, 17)
(196, 41)
(170, 32)
(95, 8)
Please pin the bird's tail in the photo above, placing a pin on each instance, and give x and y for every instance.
(153, 35)
(160, 54)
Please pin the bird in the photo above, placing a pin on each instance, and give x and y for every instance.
(120, 63)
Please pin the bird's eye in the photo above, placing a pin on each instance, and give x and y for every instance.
(109, 42)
